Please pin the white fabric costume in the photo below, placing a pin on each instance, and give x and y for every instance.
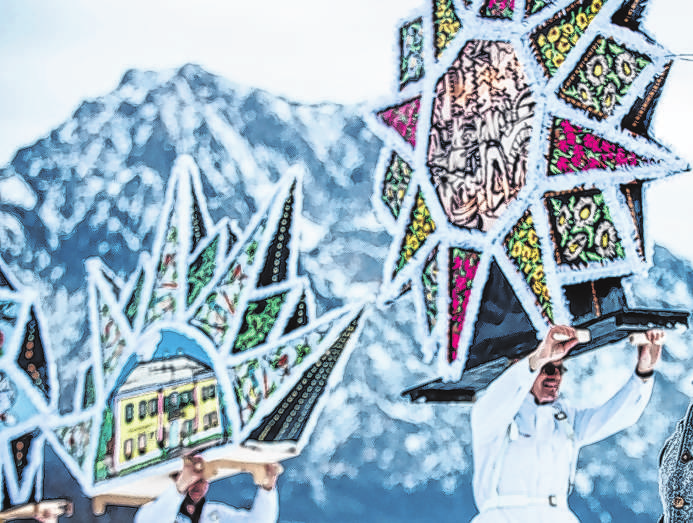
(525, 454)
(164, 509)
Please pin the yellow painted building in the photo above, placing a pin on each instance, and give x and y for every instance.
(169, 404)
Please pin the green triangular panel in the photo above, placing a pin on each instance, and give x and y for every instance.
(133, 303)
(429, 279)
(396, 183)
(198, 229)
(260, 317)
(411, 43)
(201, 271)
(75, 439)
(214, 316)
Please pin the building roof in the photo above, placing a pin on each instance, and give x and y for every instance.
(158, 373)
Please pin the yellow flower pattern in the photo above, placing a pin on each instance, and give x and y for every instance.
(553, 40)
(420, 227)
(446, 23)
(522, 246)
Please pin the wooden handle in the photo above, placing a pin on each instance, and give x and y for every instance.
(639, 338)
(583, 336)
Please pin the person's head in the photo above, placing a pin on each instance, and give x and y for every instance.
(198, 490)
(548, 382)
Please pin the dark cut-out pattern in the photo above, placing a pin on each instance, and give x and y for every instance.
(276, 261)
(32, 358)
(289, 419)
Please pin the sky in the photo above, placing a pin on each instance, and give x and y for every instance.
(54, 55)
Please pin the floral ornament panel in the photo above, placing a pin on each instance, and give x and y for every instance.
(522, 247)
(534, 6)
(411, 52)
(396, 183)
(132, 305)
(582, 229)
(259, 378)
(602, 77)
(75, 439)
(498, 9)
(112, 343)
(403, 118)
(163, 302)
(554, 39)
(421, 226)
(463, 267)
(201, 271)
(429, 280)
(575, 148)
(216, 313)
(446, 24)
(260, 317)
(480, 131)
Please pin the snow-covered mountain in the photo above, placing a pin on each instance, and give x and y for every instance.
(94, 187)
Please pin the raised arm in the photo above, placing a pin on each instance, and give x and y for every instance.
(265, 507)
(164, 508)
(626, 406)
(493, 412)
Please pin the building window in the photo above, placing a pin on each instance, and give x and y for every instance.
(127, 448)
(208, 393)
(142, 409)
(142, 443)
(185, 398)
(213, 419)
(187, 428)
(153, 408)
(129, 412)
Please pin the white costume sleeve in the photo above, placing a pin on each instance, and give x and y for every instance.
(619, 412)
(265, 509)
(493, 412)
(164, 508)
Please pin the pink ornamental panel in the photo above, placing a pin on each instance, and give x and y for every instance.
(463, 266)
(403, 119)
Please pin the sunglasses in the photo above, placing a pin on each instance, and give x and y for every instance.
(550, 369)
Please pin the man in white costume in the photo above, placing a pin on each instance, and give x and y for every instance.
(184, 501)
(526, 439)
